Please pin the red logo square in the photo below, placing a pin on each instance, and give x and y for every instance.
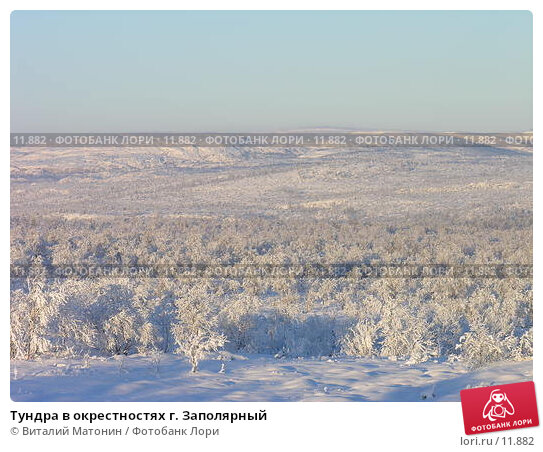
(496, 408)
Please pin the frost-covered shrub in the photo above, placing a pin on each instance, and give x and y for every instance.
(29, 317)
(31, 314)
(273, 333)
(120, 332)
(148, 339)
(74, 333)
(525, 347)
(310, 336)
(74, 336)
(478, 347)
(195, 332)
(423, 345)
(237, 320)
(360, 340)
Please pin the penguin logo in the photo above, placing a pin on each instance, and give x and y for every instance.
(498, 406)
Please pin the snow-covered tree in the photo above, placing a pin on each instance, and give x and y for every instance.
(194, 331)
(120, 332)
(360, 340)
(148, 339)
(31, 313)
(478, 347)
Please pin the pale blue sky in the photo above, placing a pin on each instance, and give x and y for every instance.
(101, 71)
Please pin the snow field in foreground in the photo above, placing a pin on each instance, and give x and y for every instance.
(252, 378)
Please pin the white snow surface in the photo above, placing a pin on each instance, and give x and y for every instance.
(252, 378)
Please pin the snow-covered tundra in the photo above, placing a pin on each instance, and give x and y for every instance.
(139, 273)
